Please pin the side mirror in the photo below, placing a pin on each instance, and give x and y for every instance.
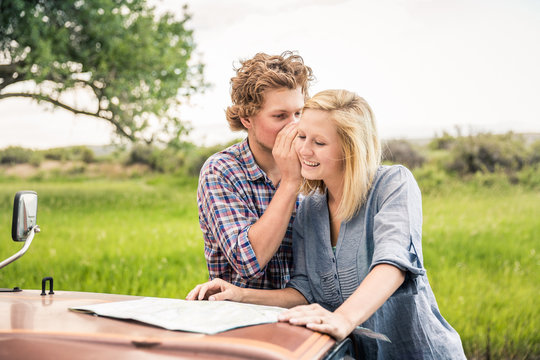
(24, 215)
(23, 227)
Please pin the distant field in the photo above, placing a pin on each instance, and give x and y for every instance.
(141, 237)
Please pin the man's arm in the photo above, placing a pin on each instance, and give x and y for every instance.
(247, 240)
(268, 232)
(225, 216)
(218, 289)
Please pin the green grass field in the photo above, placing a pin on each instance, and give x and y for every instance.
(141, 237)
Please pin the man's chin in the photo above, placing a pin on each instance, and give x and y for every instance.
(265, 147)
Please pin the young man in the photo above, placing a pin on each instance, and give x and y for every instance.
(247, 193)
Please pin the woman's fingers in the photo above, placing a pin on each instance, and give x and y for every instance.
(303, 310)
(308, 314)
(326, 329)
(316, 318)
(305, 320)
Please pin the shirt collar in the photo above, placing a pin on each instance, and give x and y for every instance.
(254, 172)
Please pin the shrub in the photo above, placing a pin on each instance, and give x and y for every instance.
(443, 142)
(402, 152)
(432, 178)
(198, 156)
(170, 160)
(530, 177)
(143, 154)
(58, 154)
(36, 159)
(87, 155)
(488, 153)
(195, 163)
(162, 160)
(534, 157)
(15, 155)
(81, 153)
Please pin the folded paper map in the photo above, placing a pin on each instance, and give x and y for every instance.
(208, 317)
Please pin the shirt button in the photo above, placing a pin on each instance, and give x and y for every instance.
(335, 276)
(333, 260)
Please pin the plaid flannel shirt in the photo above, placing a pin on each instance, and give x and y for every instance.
(232, 195)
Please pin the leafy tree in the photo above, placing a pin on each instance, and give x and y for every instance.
(133, 65)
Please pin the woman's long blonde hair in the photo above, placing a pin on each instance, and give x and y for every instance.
(361, 149)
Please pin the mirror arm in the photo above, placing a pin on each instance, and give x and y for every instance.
(21, 252)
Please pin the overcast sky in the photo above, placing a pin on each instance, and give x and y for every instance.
(424, 66)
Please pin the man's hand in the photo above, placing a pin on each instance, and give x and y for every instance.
(285, 156)
(214, 290)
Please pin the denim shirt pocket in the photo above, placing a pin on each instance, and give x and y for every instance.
(329, 288)
(349, 282)
(336, 288)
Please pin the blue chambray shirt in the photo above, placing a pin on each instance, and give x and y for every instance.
(386, 230)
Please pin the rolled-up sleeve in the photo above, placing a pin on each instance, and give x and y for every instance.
(227, 217)
(397, 231)
(299, 280)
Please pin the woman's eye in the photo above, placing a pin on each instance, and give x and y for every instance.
(319, 143)
(301, 136)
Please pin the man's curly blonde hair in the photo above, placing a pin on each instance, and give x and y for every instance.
(264, 72)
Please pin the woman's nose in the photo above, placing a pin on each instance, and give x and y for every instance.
(305, 149)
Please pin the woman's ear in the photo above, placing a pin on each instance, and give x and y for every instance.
(246, 122)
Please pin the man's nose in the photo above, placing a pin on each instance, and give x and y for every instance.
(293, 118)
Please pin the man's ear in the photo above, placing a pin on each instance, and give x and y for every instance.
(246, 122)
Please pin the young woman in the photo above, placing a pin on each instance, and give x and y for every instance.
(356, 242)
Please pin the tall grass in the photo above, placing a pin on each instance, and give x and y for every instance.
(482, 253)
(135, 237)
(141, 237)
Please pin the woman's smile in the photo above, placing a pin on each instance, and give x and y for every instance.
(310, 163)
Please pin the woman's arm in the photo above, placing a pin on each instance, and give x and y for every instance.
(382, 281)
(218, 289)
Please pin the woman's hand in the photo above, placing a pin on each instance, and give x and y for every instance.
(317, 318)
(216, 289)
